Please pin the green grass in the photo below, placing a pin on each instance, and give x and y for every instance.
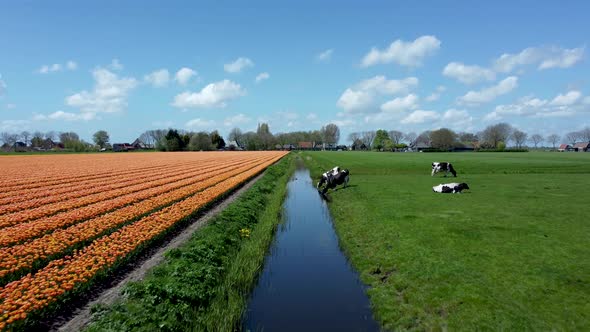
(510, 254)
(204, 284)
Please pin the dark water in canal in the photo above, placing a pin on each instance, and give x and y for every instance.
(307, 283)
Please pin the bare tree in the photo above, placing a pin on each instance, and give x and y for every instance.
(396, 136)
(467, 137)
(52, 135)
(519, 137)
(572, 137)
(147, 138)
(553, 139)
(235, 135)
(495, 134)
(536, 139)
(443, 138)
(26, 136)
(330, 134)
(9, 138)
(66, 137)
(353, 137)
(410, 138)
(368, 137)
(585, 134)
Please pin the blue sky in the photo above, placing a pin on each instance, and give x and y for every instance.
(127, 67)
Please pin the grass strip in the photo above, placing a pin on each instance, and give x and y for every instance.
(205, 283)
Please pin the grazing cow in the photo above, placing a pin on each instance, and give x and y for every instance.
(333, 178)
(450, 188)
(443, 167)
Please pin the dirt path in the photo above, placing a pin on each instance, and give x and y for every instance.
(108, 296)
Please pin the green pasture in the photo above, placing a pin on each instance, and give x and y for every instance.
(512, 253)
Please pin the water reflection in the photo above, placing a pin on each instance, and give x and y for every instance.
(307, 284)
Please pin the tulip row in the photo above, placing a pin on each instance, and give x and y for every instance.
(23, 256)
(44, 189)
(24, 231)
(37, 198)
(33, 292)
(103, 197)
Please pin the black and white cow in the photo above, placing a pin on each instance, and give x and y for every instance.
(443, 167)
(333, 178)
(450, 188)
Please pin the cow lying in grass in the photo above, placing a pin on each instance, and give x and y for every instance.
(333, 178)
(443, 167)
(450, 188)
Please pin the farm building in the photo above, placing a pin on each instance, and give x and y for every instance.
(118, 147)
(582, 146)
(307, 146)
(565, 147)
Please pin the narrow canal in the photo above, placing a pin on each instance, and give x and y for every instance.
(307, 283)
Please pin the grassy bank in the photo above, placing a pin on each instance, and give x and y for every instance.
(509, 254)
(204, 284)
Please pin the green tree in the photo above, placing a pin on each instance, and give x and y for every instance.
(101, 138)
(217, 140)
(173, 141)
(381, 138)
(443, 139)
(200, 141)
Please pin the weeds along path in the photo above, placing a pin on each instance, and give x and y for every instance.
(110, 295)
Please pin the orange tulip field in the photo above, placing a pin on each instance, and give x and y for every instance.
(64, 219)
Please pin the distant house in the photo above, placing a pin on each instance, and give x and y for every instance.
(305, 145)
(565, 147)
(233, 146)
(419, 146)
(582, 147)
(139, 145)
(122, 147)
(358, 145)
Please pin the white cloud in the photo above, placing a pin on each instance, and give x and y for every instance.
(569, 104)
(65, 116)
(71, 65)
(325, 56)
(158, 78)
(569, 98)
(109, 94)
(401, 104)
(46, 69)
(468, 74)
(213, 95)
(115, 65)
(546, 57)
(488, 94)
(361, 97)
(436, 94)
(14, 126)
(184, 75)
(311, 117)
(457, 120)
(236, 120)
(420, 117)
(403, 53)
(262, 77)
(3, 86)
(200, 124)
(238, 65)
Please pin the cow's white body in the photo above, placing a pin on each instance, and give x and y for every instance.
(450, 188)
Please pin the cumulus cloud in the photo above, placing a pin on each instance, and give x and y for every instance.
(436, 94)
(14, 126)
(236, 120)
(115, 65)
(488, 94)
(262, 77)
(200, 124)
(158, 78)
(562, 105)
(183, 75)
(410, 54)
(325, 56)
(238, 65)
(65, 116)
(213, 95)
(109, 94)
(468, 74)
(420, 116)
(361, 97)
(401, 104)
(456, 119)
(545, 57)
